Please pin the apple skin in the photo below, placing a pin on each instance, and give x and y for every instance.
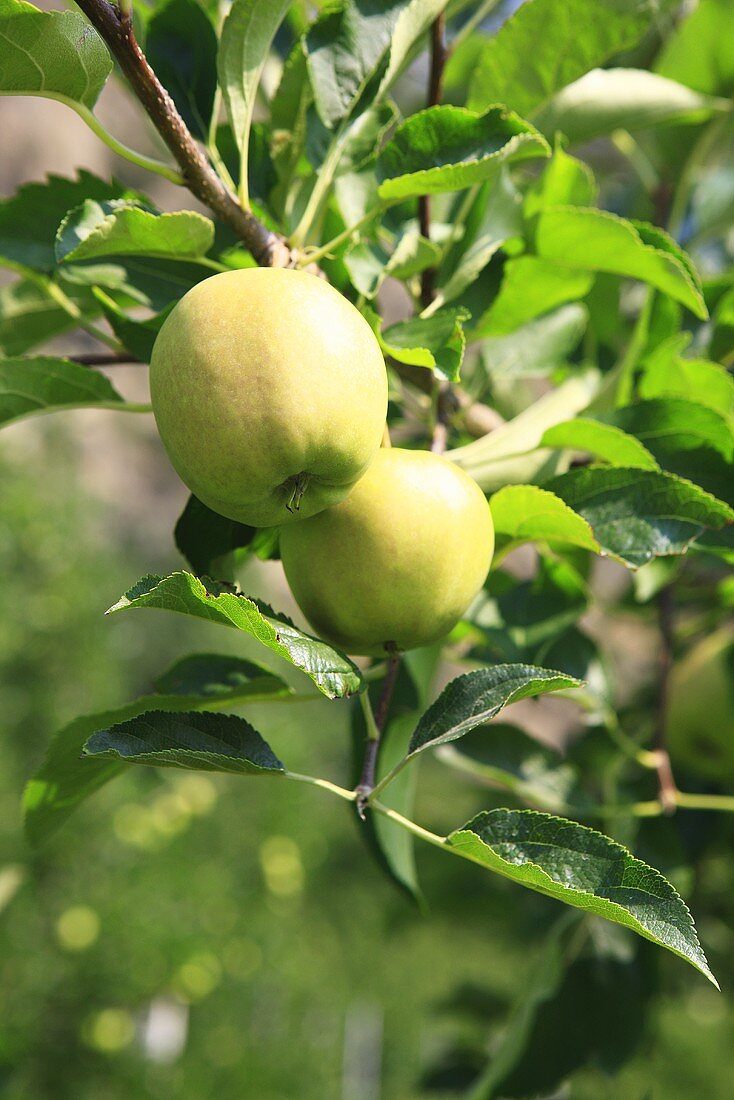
(700, 733)
(270, 394)
(398, 561)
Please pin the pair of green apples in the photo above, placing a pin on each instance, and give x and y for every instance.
(270, 394)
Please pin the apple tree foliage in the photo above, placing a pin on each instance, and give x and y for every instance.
(554, 214)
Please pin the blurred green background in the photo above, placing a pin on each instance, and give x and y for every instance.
(187, 936)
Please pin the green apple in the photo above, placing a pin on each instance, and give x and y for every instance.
(700, 732)
(398, 561)
(270, 394)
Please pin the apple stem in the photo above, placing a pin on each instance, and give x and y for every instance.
(376, 727)
(299, 485)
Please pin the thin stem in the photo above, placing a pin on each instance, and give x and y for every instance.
(149, 163)
(376, 727)
(62, 299)
(723, 802)
(268, 248)
(314, 255)
(321, 188)
(411, 826)
(325, 785)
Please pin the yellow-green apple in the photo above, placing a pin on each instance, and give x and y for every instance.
(398, 561)
(270, 394)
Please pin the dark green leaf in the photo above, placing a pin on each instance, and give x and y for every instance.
(585, 869)
(216, 675)
(29, 317)
(66, 778)
(545, 46)
(450, 148)
(181, 45)
(137, 336)
(637, 514)
(56, 54)
(506, 756)
(210, 742)
(30, 218)
(203, 536)
(475, 698)
(669, 424)
(332, 672)
(43, 384)
(121, 229)
(345, 48)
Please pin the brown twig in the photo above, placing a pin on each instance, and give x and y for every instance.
(445, 401)
(666, 780)
(115, 27)
(439, 54)
(100, 359)
(369, 764)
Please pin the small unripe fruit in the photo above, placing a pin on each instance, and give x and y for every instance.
(270, 394)
(398, 561)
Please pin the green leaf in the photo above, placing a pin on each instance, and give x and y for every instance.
(181, 46)
(247, 35)
(526, 513)
(637, 514)
(66, 778)
(686, 438)
(122, 229)
(516, 617)
(501, 221)
(450, 148)
(436, 342)
(345, 48)
(56, 54)
(565, 181)
(137, 336)
(535, 349)
(695, 379)
(43, 384)
(544, 46)
(30, 218)
(217, 675)
(595, 240)
(531, 286)
(700, 52)
(668, 424)
(203, 537)
(475, 698)
(605, 100)
(210, 742)
(604, 441)
(332, 672)
(414, 19)
(507, 755)
(29, 317)
(585, 869)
